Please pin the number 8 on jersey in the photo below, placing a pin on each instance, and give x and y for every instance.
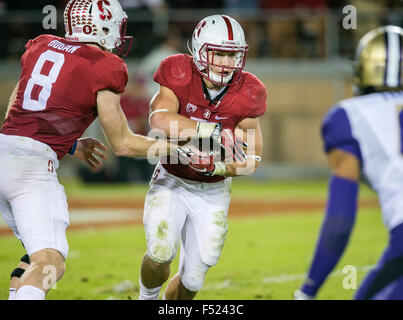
(45, 81)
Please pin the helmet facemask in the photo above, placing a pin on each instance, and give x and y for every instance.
(219, 33)
(124, 44)
(209, 55)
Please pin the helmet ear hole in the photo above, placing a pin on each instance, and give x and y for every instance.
(105, 30)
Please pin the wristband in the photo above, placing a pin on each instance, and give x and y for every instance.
(257, 158)
(207, 130)
(219, 169)
(73, 148)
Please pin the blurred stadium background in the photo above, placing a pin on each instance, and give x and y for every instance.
(301, 51)
(297, 47)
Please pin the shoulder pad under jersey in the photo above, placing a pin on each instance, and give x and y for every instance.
(254, 95)
(174, 71)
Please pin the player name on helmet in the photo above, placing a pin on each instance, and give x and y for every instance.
(63, 47)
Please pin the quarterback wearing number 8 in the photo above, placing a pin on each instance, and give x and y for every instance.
(364, 134)
(65, 84)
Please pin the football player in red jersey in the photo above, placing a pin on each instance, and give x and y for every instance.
(188, 204)
(64, 85)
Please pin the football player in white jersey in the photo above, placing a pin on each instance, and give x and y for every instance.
(364, 135)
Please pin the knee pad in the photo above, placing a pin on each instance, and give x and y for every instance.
(193, 281)
(193, 276)
(212, 248)
(161, 252)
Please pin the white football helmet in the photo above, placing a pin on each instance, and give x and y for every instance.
(219, 33)
(97, 21)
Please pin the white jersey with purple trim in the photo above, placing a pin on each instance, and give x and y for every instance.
(376, 122)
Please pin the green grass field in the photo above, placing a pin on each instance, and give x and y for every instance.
(241, 189)
(264, 257)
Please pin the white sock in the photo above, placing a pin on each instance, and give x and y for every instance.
(11, 295)
(29, 293)
(149, 294)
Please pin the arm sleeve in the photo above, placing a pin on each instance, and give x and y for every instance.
(336, 133)
(335, 232)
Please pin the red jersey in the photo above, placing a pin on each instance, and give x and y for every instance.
(246, 99)
(57, 92)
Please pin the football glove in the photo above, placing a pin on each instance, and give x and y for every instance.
(201, 164)
(233, 146)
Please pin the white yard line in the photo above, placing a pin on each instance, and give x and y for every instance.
(301, 276)
(78, 216)
(281, 278)
(102, 215)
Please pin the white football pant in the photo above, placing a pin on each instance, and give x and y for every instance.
(191, 213)
(32, 201)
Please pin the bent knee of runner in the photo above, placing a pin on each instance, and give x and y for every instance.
(193, 280)
(161, 252)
